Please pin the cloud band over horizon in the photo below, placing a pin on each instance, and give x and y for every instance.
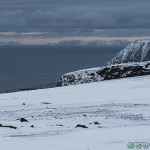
(57, 19)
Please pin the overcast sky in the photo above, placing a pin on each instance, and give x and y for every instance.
(61, 19)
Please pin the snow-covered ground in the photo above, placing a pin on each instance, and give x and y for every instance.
(116, 112)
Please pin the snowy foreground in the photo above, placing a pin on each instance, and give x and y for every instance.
(121, 107)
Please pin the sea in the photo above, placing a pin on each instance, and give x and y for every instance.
(24, 66)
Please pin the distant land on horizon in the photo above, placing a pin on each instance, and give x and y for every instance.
(76, 43)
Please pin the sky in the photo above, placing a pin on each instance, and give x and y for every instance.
(50, 21)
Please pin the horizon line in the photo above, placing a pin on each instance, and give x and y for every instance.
(42, 40)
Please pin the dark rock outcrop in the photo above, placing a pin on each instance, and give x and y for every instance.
(105, 73)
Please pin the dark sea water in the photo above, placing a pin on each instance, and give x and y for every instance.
(27, 66)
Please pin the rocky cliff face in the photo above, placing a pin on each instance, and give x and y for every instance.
(105, 73)
(137, 51)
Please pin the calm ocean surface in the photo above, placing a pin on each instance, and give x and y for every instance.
(27, 66)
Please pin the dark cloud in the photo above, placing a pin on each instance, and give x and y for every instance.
(74, 17)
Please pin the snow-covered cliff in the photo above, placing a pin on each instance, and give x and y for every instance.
(137, 51)
(105, 73)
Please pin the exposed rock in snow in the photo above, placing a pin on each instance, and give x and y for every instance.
(105, 73)
(23, 120)
(13, 127)
(81, 126)
(137, 51)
